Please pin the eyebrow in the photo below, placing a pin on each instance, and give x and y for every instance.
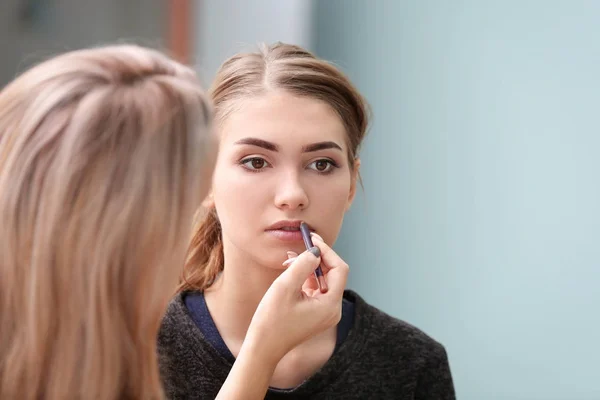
(273, 147)
(320, 146)
(258, 143)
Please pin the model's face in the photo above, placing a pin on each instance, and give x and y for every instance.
(282, 159)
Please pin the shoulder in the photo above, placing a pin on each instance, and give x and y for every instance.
(404, 356)
(181, 353)
(174, 318)
(397, 337)
(179, 338)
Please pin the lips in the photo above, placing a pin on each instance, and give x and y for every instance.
(289, 228)
(287, 225)
(286, 230)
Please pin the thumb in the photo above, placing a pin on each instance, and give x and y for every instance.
(295, 275)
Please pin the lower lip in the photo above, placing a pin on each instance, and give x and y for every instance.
(288, 236)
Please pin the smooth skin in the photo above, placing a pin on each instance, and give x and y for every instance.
(281, 157)
(292, 310)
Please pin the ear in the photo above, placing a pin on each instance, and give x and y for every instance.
(209, 201)
(353, 183)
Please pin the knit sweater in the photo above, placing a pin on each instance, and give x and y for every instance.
(382, 358)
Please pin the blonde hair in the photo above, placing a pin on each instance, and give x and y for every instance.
(277, 67)
(104, 157)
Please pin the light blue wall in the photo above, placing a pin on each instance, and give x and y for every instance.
(225, 27)
(480, 219)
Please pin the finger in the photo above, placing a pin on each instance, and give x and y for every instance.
(316, 235)
(329, 258)
(311, 285)
(295, 275)
(337, 274)
(291, 257)
(311, 282)
(288, 261)
(292, 254)
(319, 239)
(336, 281)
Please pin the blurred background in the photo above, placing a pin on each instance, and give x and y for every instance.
(480, 218)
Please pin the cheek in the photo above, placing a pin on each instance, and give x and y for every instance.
(329, 204)
(237, 196)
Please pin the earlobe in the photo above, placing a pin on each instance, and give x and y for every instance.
(209, 201)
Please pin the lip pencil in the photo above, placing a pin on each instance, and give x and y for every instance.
(309, 244)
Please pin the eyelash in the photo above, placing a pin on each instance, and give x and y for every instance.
(332, 165)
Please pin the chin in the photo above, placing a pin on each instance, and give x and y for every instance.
(271, 254)
(275, 261)
(274, 251)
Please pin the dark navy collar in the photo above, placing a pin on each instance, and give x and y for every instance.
(196, 306)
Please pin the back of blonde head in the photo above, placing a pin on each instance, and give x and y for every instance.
(104, 157)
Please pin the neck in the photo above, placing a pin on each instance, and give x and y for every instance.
(234, 297)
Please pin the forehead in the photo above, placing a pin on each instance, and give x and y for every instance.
(284, 118)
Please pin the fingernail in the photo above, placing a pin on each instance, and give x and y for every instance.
(288, 261)
(291, 254)
(317, 236)
(315, 251)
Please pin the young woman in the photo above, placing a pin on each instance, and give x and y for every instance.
(105, 155)
(290, 127)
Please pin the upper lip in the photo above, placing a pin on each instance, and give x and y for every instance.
(288, 223)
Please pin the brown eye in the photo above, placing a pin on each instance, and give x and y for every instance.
(258, 163)
(323, 166)
(255, 163)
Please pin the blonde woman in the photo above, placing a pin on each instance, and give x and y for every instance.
(105, 156)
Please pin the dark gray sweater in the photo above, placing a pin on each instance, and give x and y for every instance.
(382, 358)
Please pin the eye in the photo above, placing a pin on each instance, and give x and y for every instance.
(255, 163)
(323, 165)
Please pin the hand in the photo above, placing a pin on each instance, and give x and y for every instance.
(311, 283)
(293, 309)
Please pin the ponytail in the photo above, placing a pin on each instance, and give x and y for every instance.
(205, 257)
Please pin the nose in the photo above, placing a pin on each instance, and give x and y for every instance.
(290, 193)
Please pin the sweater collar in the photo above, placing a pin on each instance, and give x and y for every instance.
(218, 366)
